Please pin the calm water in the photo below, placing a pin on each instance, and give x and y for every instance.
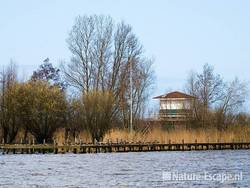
(150, 169)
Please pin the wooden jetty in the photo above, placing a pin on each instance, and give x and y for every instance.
(118, 147)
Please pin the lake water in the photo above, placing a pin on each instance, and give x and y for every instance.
(149, 169)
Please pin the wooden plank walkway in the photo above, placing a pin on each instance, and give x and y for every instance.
(117, 147)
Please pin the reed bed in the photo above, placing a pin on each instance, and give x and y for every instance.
(231, 134)
(157, 134)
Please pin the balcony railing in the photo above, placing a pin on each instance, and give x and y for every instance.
(175, 115)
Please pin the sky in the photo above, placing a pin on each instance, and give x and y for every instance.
(180, 35)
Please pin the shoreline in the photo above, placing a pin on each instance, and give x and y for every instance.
(119, 147)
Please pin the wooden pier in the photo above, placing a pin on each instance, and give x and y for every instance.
(118, 147)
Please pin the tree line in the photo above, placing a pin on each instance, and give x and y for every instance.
(92, 91)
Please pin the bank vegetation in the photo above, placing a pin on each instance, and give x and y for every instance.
(89, 97)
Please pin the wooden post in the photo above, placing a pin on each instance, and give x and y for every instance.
(183, 144)
(195, 146)
(54, 146)
(207, 146)
(3, 141)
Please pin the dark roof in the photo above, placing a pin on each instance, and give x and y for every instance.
(175, 94)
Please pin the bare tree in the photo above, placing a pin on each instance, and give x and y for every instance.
(235, 93)
(207, 87)
(216, 102)
(192, 89)
(210, 86)
(103, 54)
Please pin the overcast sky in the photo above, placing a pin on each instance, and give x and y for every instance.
(180, 35)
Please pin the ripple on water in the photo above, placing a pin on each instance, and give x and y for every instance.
(120, 169)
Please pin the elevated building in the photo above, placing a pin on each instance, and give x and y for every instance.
(175, 107)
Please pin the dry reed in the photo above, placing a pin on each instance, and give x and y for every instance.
(233, 133)
(236, 134)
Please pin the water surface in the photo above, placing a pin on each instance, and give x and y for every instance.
(145, 169)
